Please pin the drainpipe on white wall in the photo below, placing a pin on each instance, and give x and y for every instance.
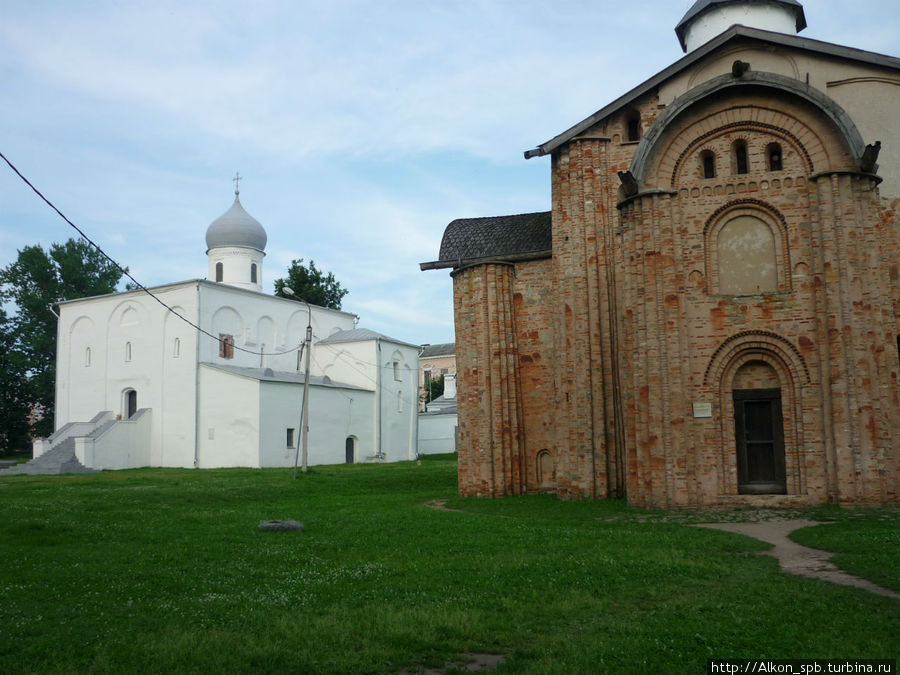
(378, 397)
(197, 336)
(56, 384)
(414, 412)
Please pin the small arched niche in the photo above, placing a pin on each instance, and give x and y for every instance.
(546, 470)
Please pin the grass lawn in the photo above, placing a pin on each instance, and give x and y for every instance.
(164, 570)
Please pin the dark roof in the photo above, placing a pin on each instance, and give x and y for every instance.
(444, 349)
(359, 335)
(733, 33)
(701, 5)
(519, 237)
(269, 375)
(441, 406)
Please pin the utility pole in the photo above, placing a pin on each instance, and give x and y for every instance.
(304, 410)
(304, 422)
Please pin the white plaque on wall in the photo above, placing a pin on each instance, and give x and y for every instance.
(702, 409)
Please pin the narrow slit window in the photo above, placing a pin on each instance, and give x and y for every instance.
(253, 273)
(740, 157)
(87, 357)
(220, 270)
(774, 157)
(290, 438)
(708, 164)
(633, 127)
(127, 351)
(176, 348)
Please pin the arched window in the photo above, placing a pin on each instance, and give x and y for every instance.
(708, 164)
(773, 157)
(253, 273)
(739, 156)
(219, 271)
(633, 126)
(746, 257)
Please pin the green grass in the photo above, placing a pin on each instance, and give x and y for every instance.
(165, 571)
(871, 551)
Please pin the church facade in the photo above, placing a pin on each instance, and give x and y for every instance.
(210, 373)
(709, 313)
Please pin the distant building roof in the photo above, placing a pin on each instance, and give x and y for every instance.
(444, 349)
(269, 375)
(441, 406)
(518, 237)
(360, 335)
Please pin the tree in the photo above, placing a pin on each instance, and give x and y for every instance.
(14, 405)
(33, 283)
(436, 388)
(311, 284)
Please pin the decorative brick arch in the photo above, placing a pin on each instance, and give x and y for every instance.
(742, 128)
(759, 342)
(760, 346)
(766, 214)
(836, 116)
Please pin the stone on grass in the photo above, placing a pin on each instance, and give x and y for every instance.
(281, 526)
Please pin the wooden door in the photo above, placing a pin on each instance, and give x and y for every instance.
(348, 450)
(759, 432)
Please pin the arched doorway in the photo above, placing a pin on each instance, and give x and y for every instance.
(350, 450)
(546, 472)
(130, 403)
(759, 430)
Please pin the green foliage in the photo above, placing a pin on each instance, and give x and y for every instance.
(164, 570)
(311, 284)
(436, 388)
(36, 280)
(14, 405)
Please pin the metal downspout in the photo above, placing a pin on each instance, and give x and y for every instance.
(378, 398)
(197, 337)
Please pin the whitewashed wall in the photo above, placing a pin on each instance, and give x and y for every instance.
(130, 337)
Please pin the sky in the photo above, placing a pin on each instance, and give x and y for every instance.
(360, 128)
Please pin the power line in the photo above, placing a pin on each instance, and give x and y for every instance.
(125, 272)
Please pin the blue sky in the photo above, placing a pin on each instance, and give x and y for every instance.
(361, 128)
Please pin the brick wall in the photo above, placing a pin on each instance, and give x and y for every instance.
(600, 354)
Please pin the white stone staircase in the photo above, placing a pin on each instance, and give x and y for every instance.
(58, 460)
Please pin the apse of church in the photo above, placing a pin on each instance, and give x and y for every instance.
(709, 315)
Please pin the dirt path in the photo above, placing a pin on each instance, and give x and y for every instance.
(797, 559)
(792, 557)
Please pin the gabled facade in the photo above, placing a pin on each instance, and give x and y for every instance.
(715, 320)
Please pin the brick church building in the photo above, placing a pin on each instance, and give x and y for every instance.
(710, 313)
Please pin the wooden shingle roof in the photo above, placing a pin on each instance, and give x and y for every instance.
(503, 238)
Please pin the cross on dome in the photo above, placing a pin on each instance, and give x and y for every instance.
(237, 179)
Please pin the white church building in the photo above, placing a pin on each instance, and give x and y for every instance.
(138, 385)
